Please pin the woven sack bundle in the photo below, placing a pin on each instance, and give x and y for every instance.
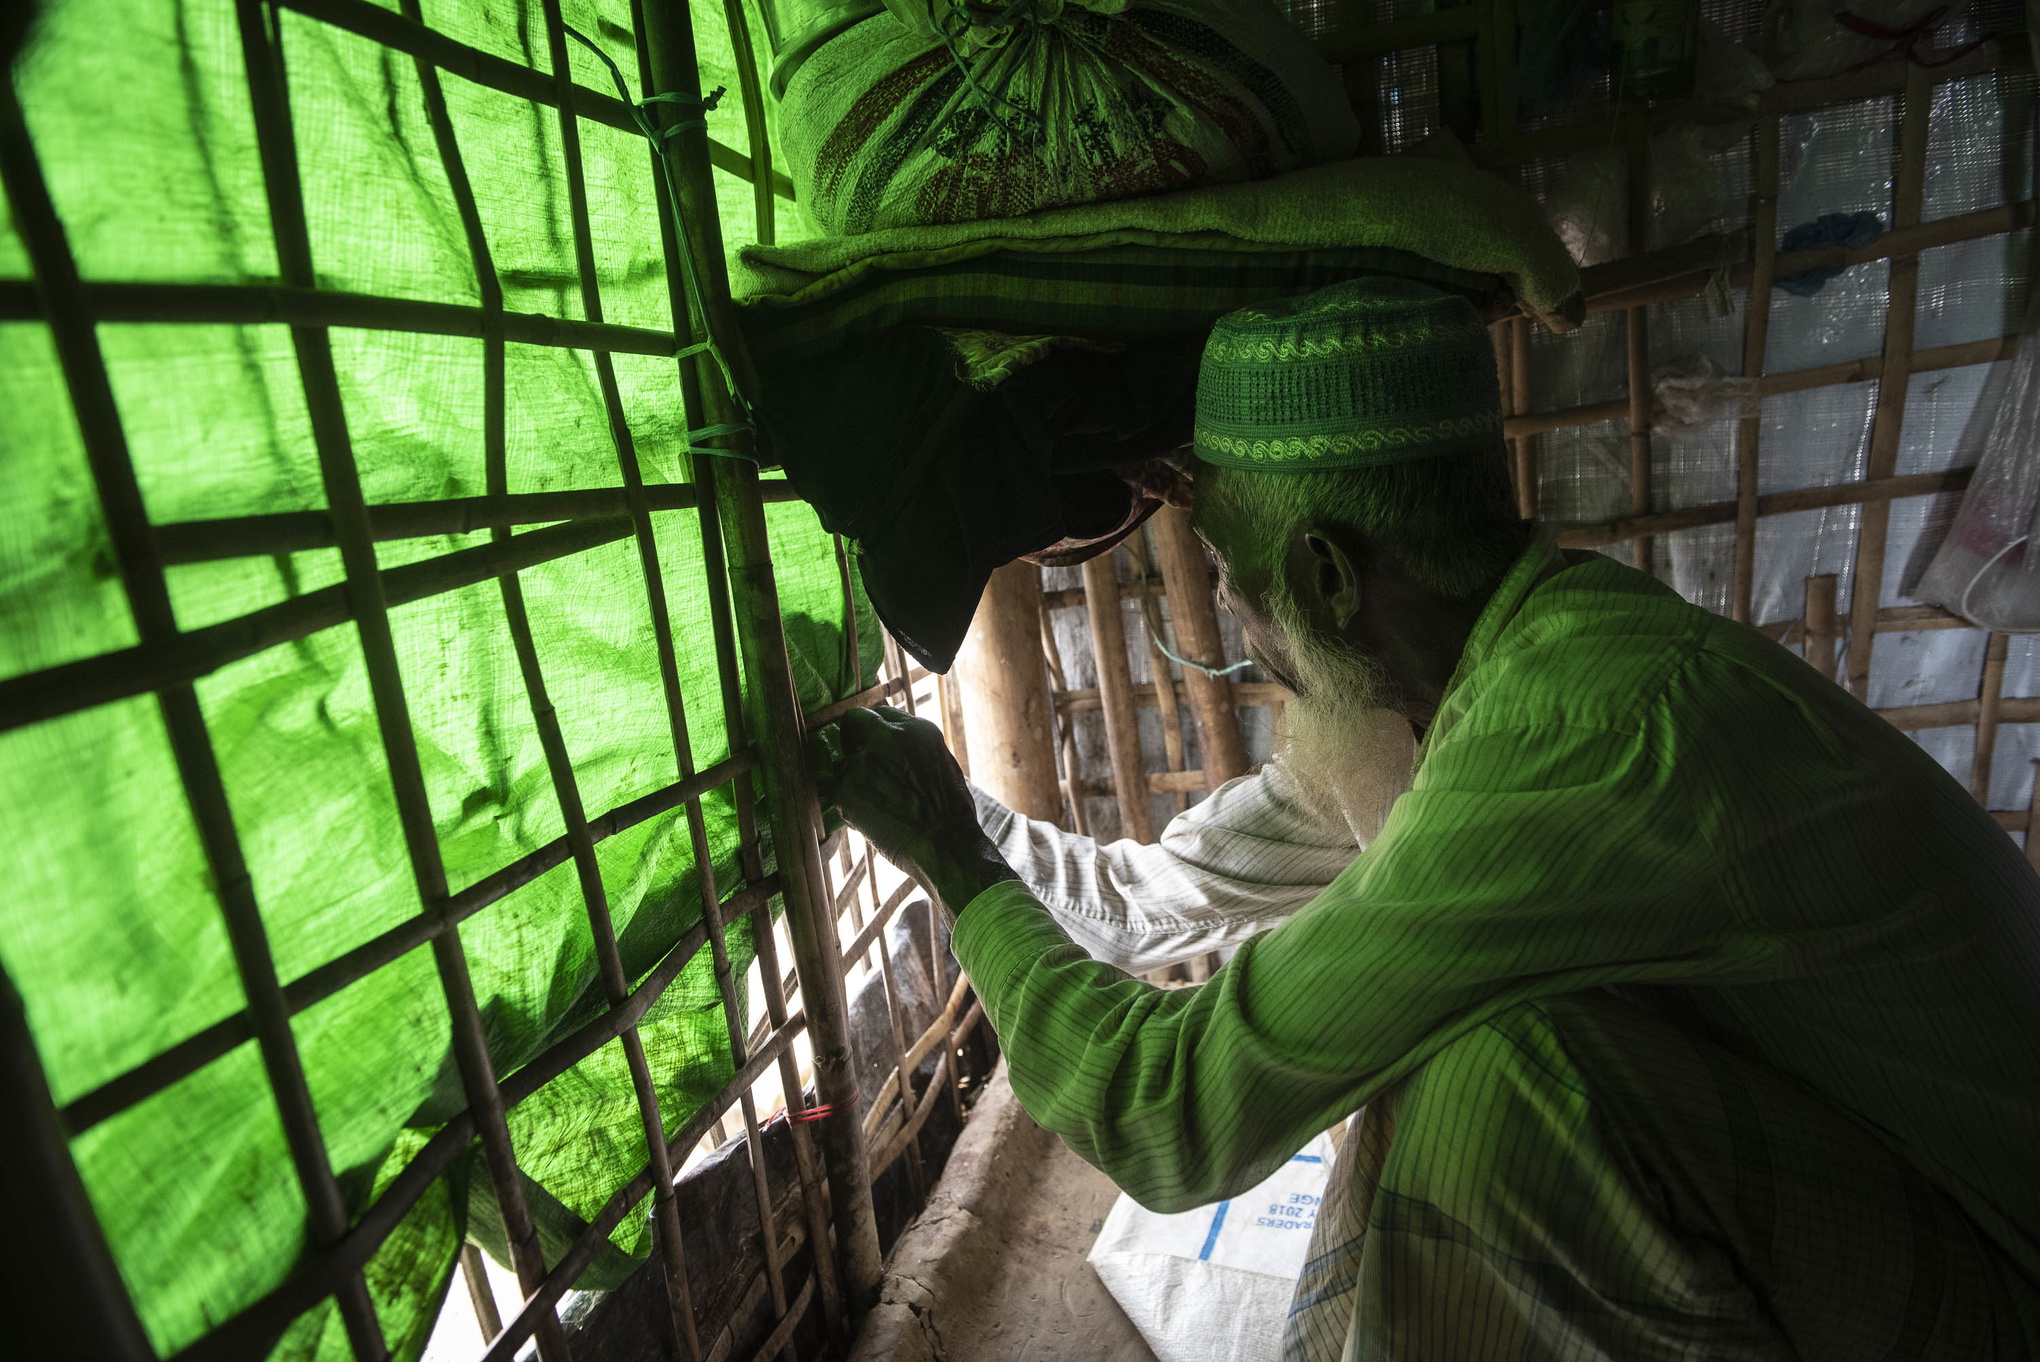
(940, 111)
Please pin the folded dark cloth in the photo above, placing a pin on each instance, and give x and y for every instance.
(941, 483)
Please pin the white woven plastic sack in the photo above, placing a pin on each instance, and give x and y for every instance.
(943, 111)
(1213, 1284)
(1988, 568)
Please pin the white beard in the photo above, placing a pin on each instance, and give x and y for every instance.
(1349, 753)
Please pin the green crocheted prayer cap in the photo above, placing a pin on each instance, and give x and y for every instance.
(1370, 371)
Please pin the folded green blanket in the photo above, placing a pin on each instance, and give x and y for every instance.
(1443, 211)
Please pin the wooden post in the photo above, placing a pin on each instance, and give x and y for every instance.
(1186, 576)
(1115, 695)
(1821, 625)
(1002, 679)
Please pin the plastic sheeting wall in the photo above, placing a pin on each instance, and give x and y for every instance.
(1838, 159)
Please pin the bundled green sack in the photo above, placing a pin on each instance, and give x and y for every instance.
(940, 111)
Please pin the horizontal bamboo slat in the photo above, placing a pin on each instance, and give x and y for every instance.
(1869, 492)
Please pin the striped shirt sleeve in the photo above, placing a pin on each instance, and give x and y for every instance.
(1524, 864)
(1234, 865)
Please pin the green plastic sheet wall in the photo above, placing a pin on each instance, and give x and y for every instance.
(109, 925)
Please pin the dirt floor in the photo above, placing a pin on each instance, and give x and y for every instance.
(994, 1270)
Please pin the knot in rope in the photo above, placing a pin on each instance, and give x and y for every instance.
(955, 24)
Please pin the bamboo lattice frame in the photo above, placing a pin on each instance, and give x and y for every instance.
(804, 1006)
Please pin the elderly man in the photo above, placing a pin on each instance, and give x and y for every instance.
(1693, 1012)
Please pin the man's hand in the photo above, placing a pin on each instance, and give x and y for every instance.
(896, 783)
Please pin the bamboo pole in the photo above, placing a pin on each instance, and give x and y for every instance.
(1867, 586)
(1822, 627)
(1756, 338)
(59, 1288)
(1958, 713)
(277, 532)
(282, 305)
(1636, 343)
(1003, 680)
(756, 129)
(1651, 279)
(1524, 449)
(1146, 695)
(1956, 356)
(481, 1295)
(1497, 51)
(1158, 666)
(1989, 708)
(1115, 688)
(950, 701)
(1876, 492)
(1065, 731)
(669, 56)
(1186, 573)
(1786, 97)
(409, 37)
(2033, 821)
(1347, 43)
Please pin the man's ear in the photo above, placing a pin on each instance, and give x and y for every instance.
(1334, 577)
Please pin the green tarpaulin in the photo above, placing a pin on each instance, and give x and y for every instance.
(109, 925)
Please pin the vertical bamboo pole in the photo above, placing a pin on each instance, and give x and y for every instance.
(1525, 450)
(1988, 696)
(950, 702)
(1158, 666)
(59, 1288)
(1756, 337)
(1115, 695)
(777, 982)
(2033, 821)
(1503, 337)
(1459, 100)
(752, 93)
(481, 1295)
(668, 39)
(1636, 336)
(1867, 592)
(1003, 679)
(1821, 624)
(1495, 44)
(1063, 724)
(1186, 576)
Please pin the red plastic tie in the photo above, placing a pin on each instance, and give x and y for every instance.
(813, 1113)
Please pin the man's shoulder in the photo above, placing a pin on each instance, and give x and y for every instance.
(1593, 645)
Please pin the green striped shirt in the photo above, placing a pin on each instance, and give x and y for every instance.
(1619, 789)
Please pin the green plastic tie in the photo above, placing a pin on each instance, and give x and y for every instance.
(640, 114)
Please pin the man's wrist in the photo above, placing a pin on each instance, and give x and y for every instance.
(964, 863)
